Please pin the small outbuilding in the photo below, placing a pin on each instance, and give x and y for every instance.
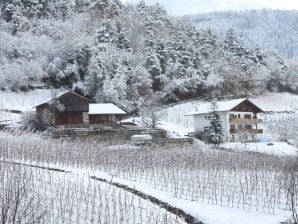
(104, 113)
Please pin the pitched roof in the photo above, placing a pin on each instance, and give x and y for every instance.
(73, 93)
(222, 106)
(104, 108)
(63, 94)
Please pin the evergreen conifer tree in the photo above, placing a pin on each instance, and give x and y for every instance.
(215, 128)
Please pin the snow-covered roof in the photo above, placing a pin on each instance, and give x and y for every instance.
(104, 108)
(222, 106)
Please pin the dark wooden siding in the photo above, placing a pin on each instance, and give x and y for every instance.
(69, 118)
(247, 106)
(74, 103)
(41, 108)
(98, 119)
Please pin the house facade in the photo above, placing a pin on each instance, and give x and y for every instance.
(71, 110)
(239, 120)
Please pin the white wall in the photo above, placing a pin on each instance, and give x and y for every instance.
(201, 121)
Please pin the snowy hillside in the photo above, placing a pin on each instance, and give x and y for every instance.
(270, 29)
(12, 104)
(129, 54)
(26, 101)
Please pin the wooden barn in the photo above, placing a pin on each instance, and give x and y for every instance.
(71, 110)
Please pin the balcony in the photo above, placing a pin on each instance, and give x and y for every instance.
(245, 121)
(251, 131)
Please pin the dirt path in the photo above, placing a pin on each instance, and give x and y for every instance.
(171, 209)
(176, 211)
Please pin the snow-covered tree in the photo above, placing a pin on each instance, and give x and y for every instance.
(215, 129)
(151, 113)
(124, 53)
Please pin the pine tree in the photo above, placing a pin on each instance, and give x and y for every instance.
(215, 128)
(121, 39)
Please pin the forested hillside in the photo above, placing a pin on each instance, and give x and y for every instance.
(127, 54)
(275, 30)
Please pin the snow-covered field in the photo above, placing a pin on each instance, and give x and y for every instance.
(214, 186)
(58, 197)
(217, 187)
(23, 102)
(277, 102)
(9, 118)
(26, 101)
(273, 148)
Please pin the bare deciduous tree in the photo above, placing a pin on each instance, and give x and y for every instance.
(152, 115)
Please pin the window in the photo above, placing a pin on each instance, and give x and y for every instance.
(247, 116)
(239, 116)
(232, 116)
(248, 126)
(232, 126)
(240, 126)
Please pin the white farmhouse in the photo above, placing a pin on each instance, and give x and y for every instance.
(239, 120)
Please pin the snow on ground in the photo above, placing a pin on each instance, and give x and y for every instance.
(207, 213)
(137, 121)
(22, 102)
(174, 130)
(9, 118)
(176, 113)
(275, 148)
(178, 125)
(73, 197)
(277, 102)
(26, 101)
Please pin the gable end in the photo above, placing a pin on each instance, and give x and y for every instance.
(247, 106)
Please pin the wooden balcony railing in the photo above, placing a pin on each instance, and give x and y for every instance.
(245, 120)
(252, 131)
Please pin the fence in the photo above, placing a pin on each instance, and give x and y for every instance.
(164, 141)
(126, 133)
